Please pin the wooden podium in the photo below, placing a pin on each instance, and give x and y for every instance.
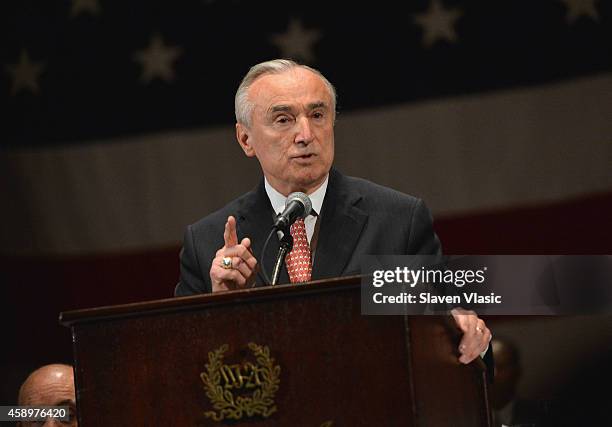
(295, 355)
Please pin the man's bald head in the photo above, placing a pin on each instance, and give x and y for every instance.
(50, 385)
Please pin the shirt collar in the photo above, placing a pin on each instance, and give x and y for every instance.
(278, 200)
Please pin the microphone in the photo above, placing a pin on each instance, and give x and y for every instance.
(298, 205)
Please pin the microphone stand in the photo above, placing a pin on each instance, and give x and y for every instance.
(286, 244)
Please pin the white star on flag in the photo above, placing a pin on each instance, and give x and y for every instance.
(157, 60)
(579, 8)
(438, 23)
(25, 74)
(297, 42)
(84, 6)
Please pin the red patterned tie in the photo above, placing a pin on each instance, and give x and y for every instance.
(298, 260)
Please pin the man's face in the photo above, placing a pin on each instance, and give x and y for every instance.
(52, 385)
(292, 130)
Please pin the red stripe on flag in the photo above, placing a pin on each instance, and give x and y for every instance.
(578, 226)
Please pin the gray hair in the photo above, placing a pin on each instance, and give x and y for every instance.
(244, 107)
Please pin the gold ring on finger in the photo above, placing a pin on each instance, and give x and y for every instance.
(226, 263)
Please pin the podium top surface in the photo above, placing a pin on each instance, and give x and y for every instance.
(174, 304)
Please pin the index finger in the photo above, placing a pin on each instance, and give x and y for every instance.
(242, 251)
(229, 234)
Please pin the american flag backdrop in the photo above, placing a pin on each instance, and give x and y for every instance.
(118, 132)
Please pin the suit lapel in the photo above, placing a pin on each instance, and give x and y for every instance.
(254, 220)
(341, 226)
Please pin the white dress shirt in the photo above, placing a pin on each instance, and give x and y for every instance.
(278, 204)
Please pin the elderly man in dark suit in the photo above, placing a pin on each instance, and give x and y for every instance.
(285, 116)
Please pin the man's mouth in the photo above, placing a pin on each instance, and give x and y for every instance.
(304, 156)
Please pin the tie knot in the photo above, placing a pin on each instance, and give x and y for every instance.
(298, 225)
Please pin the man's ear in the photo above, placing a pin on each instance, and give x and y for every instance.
(243, 137)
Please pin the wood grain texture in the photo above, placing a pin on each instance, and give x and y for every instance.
(140, 364)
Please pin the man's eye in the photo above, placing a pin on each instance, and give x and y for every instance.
(318, 115)
(282, 119)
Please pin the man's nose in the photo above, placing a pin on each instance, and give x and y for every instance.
(304, 131)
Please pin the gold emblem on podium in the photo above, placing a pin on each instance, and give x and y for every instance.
(241, 390)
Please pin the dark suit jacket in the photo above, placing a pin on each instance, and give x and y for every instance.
(358, 218)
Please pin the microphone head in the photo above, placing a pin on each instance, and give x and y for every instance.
(303, 199)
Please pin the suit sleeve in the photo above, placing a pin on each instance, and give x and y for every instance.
(191, 281)
(423, 240)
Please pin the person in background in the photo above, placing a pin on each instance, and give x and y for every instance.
(49, 385)
(508, 409)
